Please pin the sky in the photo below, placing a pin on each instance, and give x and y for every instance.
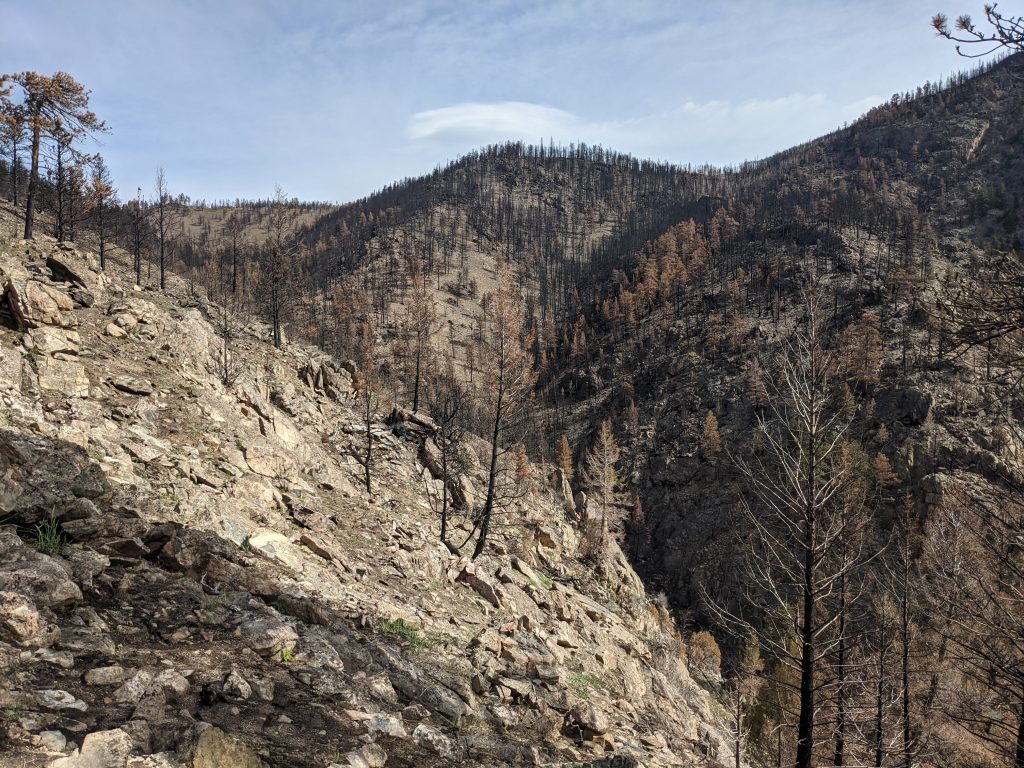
(333, 99)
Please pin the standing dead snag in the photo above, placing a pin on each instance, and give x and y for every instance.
(368, 380)
(418, 326)
(448, 406)
(974, 555)
(509, 376)
(601, 481)
(804, 506)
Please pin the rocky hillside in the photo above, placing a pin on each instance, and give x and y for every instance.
(190, 574)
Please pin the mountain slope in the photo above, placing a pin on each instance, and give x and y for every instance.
(190, 573)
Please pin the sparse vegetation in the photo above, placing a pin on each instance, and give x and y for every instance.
(50, 538)
(583, 684)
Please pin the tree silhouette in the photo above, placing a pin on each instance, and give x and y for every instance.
(53, 106)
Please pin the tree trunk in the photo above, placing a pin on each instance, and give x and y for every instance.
(33, 183)
(905, 676)
(840, 751)
(485, 514)
(369, 442)
(444, 492)
(805, 729)
(416, 384)
(14, 169)
(879, 702)
(1018, 758)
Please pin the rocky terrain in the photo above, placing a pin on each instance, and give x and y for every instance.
(191, 575)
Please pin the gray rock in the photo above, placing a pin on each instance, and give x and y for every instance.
(386, 724)
(36, 576)
(100, 749)
(74, 267)
(53, 341)
(368, 756)
(52, 741)
(277, 547)
(35, 303)
(216, 749)
(435, 741)
(479, 581)
(65, 377)
(172, 681)
(57, 700)
(114, 675)
(133, 691)
(268, 635)
(20, 622)
(236, 687)
(590, 718)
(132, 385)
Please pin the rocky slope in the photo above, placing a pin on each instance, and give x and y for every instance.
(190, 574)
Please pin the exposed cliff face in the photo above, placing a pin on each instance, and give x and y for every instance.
(190, 574)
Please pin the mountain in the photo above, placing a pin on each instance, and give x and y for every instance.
(192, 574)
(183, 468)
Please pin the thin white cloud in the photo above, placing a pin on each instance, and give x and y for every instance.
(485, 121)
(716, 131)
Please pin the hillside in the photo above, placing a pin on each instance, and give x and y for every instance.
(889, 222)
(191, 575)
(888, 217)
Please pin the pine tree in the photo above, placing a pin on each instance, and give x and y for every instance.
(52, 106)
(103, 199)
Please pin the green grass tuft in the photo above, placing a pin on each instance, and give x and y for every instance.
(50, 539)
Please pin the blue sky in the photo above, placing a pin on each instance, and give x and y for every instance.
(334, 99)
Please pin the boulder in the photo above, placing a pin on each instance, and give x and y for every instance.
(590, 718)
(73, 267)
(479, 581)
(265, 459)
(216, 749)
(132, 385)
(35, 304)
(20, 622)
(10, 367)
(277, 547)
(268, 635)
(435, 741)
(48, 340)
(908, 404)
(56, 701)
(65, 377)
(100, 749)
(114, 675)
(367, 756)
(42, 579)
(386, 724)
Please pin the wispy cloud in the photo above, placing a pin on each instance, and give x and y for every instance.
(718, 131)
(489, 121)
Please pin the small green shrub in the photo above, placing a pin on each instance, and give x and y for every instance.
(417, 641)
(32, 355)
(582, 683)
